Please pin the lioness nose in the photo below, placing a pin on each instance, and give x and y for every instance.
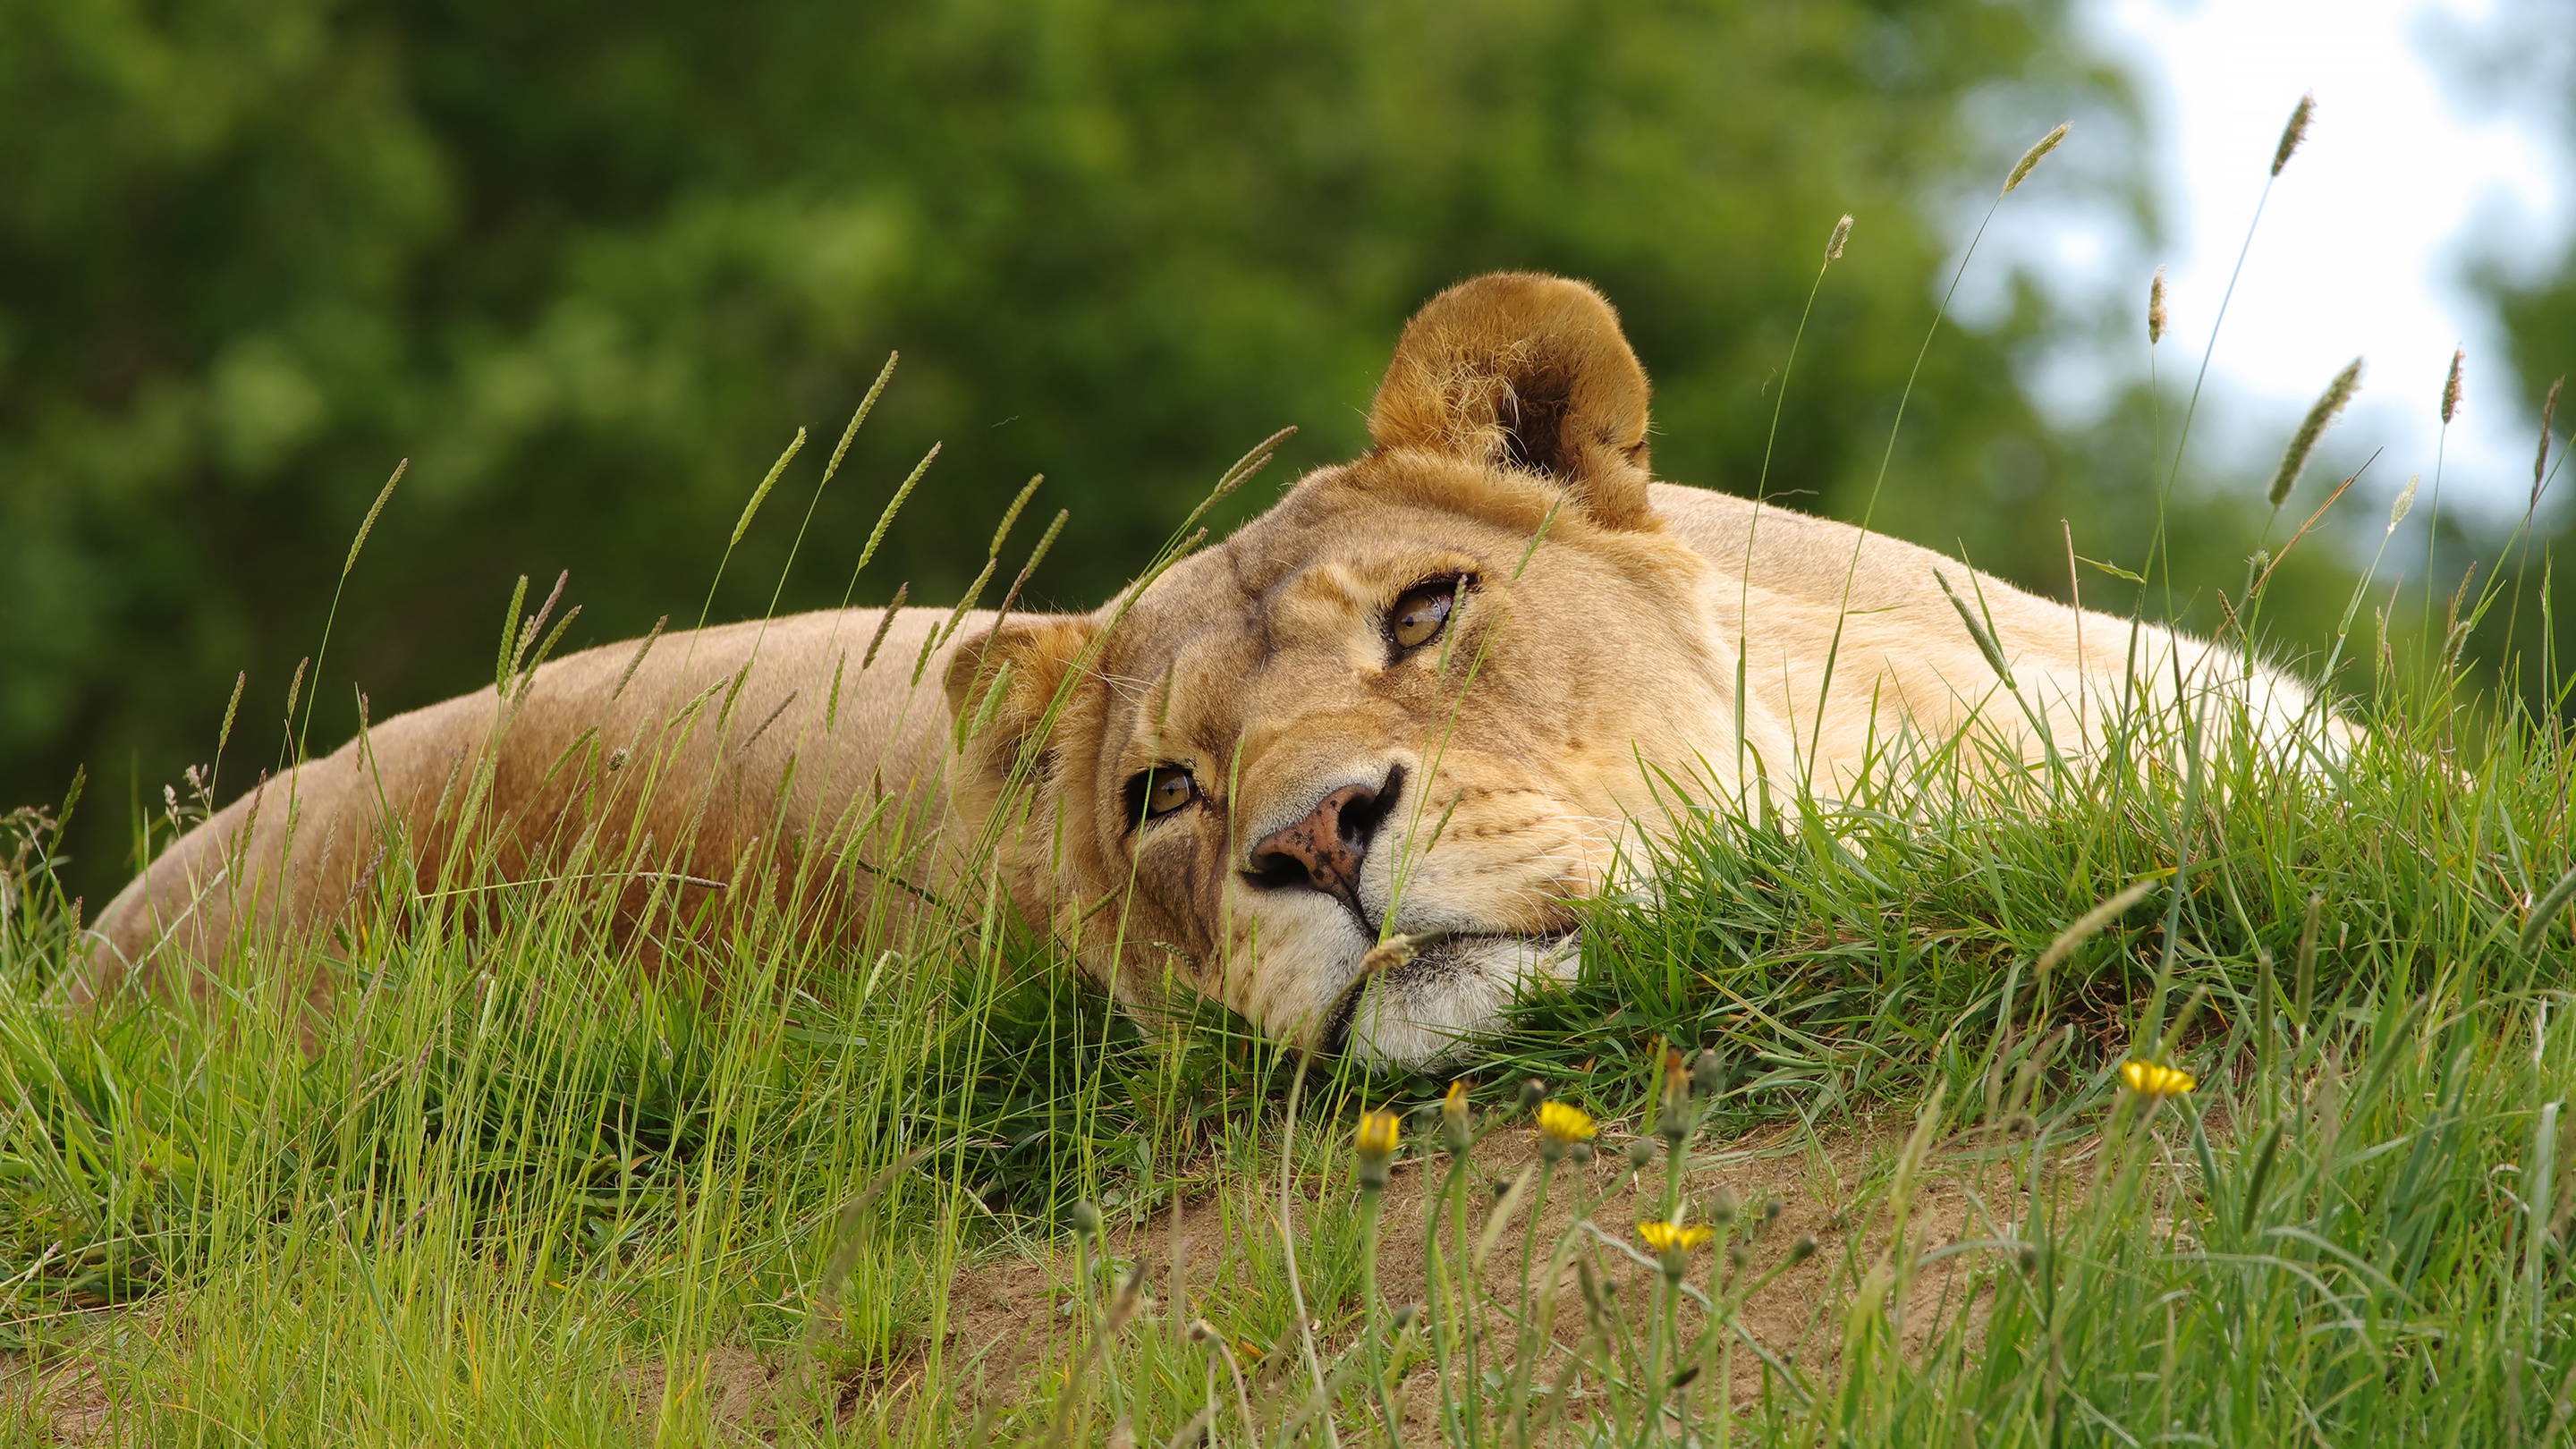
(1324, 850)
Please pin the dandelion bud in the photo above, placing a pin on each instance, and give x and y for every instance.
(1842, 233)
(1640, 1152)
(1675, 1122)
(1770, 1210)
(1581, 1153)
(1803, 1249)
(2031, 158)
(1738, 1257)
(1533, 1092)
(1456, 1133)
(1376, 1143)
(1723, 1207)
(2295, 132)
(1085, 1219)
(1405, 1316)
(2026, 1257)
(1708, 1071)
(2451, 385)
(2156, 309)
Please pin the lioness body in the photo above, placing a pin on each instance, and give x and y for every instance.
(1429, 698)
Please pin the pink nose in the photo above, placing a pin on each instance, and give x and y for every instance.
(1325, 849)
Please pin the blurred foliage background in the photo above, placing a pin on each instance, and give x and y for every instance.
(590, 266)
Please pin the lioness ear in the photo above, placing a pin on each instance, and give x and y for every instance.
(1527, 370)
(1000, 685)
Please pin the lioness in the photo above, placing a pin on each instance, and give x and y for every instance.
(1428, 699)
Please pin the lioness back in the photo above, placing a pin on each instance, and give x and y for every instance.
(669, 771)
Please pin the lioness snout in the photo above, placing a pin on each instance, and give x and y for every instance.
(1325, 849)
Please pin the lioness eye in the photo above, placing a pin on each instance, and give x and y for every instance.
(1164, 789)
(1422, 612)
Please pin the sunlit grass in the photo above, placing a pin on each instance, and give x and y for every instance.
(521, 1193)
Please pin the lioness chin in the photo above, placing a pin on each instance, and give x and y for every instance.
(1428, 701)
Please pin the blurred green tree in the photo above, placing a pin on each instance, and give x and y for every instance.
(589, 266)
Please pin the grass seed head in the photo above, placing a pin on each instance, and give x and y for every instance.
(2030, 159)
(1977, 630)
(2295, 132)
(2156, 309)
(2451, 384)
(1842, 234)
(2405, 501)
(2303, 443)
(2548, 415)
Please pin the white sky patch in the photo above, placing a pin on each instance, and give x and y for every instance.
(2402, 184)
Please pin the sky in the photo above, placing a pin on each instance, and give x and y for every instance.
(2411, 173)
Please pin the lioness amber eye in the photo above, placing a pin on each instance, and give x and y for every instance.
(1168, 789)
(1423, 611)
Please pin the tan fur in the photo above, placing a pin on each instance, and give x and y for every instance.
(1589, 671)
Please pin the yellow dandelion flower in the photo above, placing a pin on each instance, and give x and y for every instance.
(1564, 1122)
(2155, 1081)
(1376, 1142)
(1666, 1237)
(1378, 1134)
(1562, 1126)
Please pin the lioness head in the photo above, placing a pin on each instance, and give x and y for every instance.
(1428, 695)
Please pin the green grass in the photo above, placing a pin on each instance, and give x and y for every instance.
(521, 1193)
